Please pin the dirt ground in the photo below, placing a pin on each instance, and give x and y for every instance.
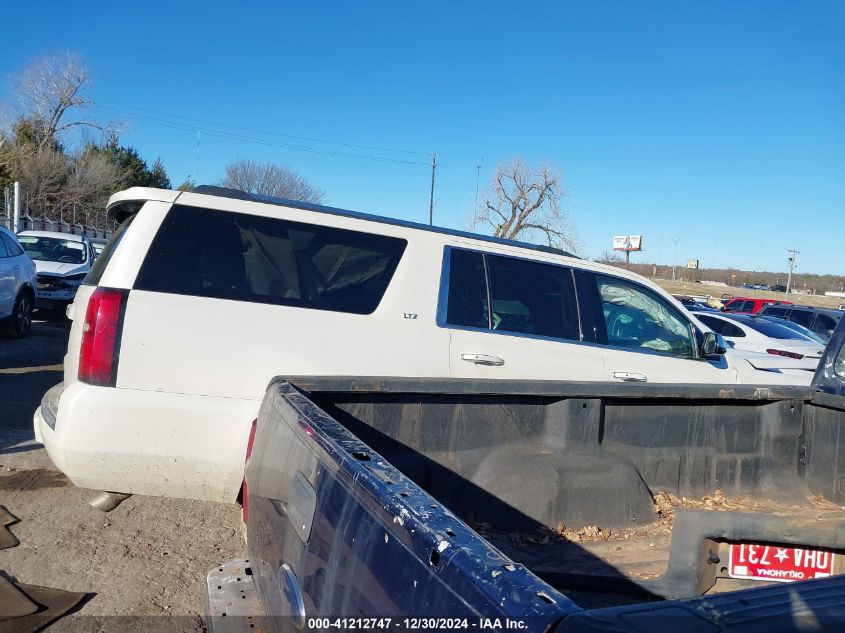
(148, 557)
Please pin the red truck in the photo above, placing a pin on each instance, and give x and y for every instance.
(749, 305)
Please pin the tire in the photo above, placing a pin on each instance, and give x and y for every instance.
(20, 323)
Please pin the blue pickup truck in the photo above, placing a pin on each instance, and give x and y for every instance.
(405, 504)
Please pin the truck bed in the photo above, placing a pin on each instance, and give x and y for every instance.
(585, 484)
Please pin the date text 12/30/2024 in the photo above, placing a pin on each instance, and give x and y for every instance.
(415, 624)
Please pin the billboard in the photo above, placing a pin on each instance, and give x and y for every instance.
(628, 242)
(692, 263)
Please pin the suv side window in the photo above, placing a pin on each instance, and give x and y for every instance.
(508, 294)
(801, 317)
(242, 257)
(638, 318)
(532, 298)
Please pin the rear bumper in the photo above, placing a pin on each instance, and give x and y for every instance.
(144, 442)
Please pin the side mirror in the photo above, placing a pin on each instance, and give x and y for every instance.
(713, 346)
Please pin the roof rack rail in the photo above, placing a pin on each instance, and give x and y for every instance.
(225, 192)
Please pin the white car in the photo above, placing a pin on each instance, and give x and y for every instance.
(202, 297)
(62, 261)
(758, 334)
(17, 285)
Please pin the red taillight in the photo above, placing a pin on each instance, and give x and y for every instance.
(244, 497)
(781, 352)
(101, 337)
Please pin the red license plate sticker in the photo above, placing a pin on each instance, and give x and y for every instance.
(781, 564)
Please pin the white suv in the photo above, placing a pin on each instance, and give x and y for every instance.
(201, 298)
(17, 285)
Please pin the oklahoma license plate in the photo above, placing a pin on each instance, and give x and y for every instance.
(781, 564)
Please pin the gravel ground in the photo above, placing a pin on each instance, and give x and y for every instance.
(148, 557)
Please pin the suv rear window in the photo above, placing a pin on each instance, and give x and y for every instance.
(223, 255)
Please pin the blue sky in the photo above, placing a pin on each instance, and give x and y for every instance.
(719, 124)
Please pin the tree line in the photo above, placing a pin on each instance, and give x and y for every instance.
(817, 284)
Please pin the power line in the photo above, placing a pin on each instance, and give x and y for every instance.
(259, 141)
(259, 131)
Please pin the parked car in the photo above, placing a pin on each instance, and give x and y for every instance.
(62, 261)
(749, 305)
(753, 334)
(17, 285)
(822, 321)
(98, 243)
(573, 508)
(202, 297)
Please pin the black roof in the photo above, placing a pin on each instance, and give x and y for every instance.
(829, 311)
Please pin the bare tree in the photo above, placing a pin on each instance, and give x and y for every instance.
(269, 179)
(42, 175)
(525, 203)
(49, 90)
(91, 179)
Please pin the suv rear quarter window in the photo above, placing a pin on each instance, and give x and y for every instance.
(96, 273)
(241, 257)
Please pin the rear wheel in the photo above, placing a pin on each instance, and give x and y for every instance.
(21, 319)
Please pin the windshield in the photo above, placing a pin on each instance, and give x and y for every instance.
(53, 249)
(775, 330)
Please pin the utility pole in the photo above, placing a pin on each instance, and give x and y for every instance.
(675, 240)
(17, 217)
(7, 205)
(431, 199)
(791, 260)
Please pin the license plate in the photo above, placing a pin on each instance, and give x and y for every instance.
(780, 564)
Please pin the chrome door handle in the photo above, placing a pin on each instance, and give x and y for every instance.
(627, 376)
(483, 359)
